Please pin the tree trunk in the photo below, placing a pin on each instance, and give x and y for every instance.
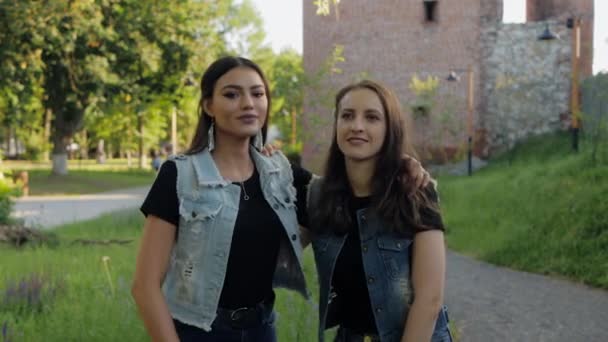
(48, 117)
(174, 131)
(129, 159)
(142, 153)
(100, 155)
(60, 156)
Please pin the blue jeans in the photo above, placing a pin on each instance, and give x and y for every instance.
(222, 331)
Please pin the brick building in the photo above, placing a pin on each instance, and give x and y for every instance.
(513, 73)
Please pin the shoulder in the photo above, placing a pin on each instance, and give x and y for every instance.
(280, 159)
(430, 191)
(314, 189)
(167, 169)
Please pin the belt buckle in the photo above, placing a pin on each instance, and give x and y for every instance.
(238, 314)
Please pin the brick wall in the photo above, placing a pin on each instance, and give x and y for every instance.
(390, 41)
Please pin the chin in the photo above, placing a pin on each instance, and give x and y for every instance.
(358, 157)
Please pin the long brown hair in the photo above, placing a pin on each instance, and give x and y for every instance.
(213, 73)
(395, 198)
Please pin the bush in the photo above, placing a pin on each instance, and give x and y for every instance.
(7, 190)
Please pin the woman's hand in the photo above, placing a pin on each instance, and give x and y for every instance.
(270, 149)
(419, 176)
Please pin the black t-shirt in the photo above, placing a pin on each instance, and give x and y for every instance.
(348, 281)
(256, 237)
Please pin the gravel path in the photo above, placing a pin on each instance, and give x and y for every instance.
(50, 211)
(489, 303)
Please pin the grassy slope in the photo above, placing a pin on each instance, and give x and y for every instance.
(540, 209)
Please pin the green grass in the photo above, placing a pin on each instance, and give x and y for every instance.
(73, 164)
(541, 208)
(84, 308)
(84, 176)
(78, 182)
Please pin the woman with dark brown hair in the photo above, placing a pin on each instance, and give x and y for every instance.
(220, 216)
(377, 238)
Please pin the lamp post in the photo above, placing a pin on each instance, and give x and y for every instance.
(575, 24)
(453, 77)
(574, 93)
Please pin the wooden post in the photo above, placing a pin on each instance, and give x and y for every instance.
(574, 100)
(293, 127)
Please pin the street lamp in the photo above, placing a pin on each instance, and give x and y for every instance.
(548, 34)
(453, 77)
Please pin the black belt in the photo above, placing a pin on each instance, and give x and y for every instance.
(347, 335)
(246, 317)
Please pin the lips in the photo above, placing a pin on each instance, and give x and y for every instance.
(248, 118)
(356, 140)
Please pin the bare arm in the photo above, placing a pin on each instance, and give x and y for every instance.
(428, 278)
(152, 260)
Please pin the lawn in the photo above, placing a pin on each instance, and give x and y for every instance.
(79, 182)
(62, 292)
(84, 177)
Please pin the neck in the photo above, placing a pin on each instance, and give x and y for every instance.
(360, 175)
(231, 155)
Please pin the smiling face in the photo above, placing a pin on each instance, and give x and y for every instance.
(360, 125)
(239, 104)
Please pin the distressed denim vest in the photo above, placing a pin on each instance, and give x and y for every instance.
(208, 207)
(386, 263)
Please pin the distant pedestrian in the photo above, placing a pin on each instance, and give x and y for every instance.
(156, 160)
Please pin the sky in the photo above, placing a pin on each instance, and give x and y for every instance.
(283, 25)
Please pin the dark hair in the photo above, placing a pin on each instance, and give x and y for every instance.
(395, 198)
(213, 73)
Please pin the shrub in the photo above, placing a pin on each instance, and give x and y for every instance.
(7, 190)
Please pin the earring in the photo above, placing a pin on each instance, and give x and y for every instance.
(258, 141)
(211, 136)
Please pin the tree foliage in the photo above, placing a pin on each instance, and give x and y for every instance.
(110, 64)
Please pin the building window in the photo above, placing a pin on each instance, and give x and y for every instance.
(430, 10)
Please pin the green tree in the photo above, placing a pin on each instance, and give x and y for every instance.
(89, 57)
(286, 76)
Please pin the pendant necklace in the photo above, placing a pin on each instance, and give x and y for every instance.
(245, 196)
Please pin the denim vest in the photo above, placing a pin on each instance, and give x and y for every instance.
(386, 263)
(208, 207)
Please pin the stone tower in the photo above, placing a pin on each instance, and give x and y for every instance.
(562, 10)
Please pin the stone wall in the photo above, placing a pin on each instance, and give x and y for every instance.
(561, 10)
(526, 85)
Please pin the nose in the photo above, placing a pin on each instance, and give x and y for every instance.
(247, 101)
(357, 124)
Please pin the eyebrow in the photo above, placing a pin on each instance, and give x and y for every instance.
(241, 88)
(369, 110)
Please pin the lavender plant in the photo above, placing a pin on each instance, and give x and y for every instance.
(30, 294)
